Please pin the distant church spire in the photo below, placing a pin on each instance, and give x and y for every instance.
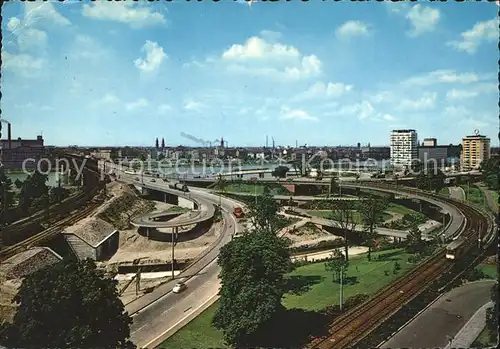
(163, 143)
(156, 143)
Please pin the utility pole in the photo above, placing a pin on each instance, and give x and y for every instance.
(138, 281)
(341, 286)
(174, 239)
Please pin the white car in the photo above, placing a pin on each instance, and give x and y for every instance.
(179, 287)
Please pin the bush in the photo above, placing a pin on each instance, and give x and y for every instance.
(322, 245)
(355, 300)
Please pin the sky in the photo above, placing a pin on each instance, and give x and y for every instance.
(316, 73)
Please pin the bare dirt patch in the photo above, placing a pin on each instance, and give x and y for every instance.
(123, 204)
(135, 246)
(8, 289)
(307, 233)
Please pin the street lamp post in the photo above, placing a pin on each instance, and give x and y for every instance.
(174, 239)
(341, 287)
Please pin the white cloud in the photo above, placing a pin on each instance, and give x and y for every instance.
(110, 98)
(154, 57)
(27, 38)
(322, 90)
(352, 28)
(87, 48)
(480, 32)
(138, 104)
(43, 11)
(296, 114)
(382, 97)
(270, 35)
(164, 108)
(363, 110)
(124, 12)
(460, 94)
(13, 24)
(257, 48)
(427, 101)
(422, 19)
(192, 105)
(259, 57)
(456, 111)
(22, 64)
(388, 117)
(442, 76)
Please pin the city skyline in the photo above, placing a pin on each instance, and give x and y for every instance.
(321, 73)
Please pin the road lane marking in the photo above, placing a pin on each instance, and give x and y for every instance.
(181, 320)
(138, 329)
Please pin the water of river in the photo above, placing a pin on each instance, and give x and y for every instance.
(52, 177)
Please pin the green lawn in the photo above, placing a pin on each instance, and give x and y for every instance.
(400, 209)
(245, 188)
(315, 290)
(177, 209)
(327, 214)
(474, 195)
(199, 333)
(357, 217)
(483, 340)
(444, 191)
(371, 277)
(489, 269)
(495, 195)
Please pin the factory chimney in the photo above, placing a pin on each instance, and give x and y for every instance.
(9, 135)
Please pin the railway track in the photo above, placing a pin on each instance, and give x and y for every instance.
(348, 329)
(47, 234)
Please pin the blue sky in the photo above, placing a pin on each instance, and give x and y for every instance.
(321, 73)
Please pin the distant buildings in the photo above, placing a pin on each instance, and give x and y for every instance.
(16, 152)
(475, 149)
(404, 147)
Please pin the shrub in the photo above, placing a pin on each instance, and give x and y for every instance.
(355, 300)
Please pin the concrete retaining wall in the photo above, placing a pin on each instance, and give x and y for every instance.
(186, 203)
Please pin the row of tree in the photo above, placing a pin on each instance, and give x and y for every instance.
(254, 266)
(68, 305)
(32, 194)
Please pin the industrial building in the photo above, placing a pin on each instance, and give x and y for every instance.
(15, 152)
(28, 262)
(92, 238)
(404, 147)
(441, 155)
(475, 149)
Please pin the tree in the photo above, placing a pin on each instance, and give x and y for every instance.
(18, 183)
(34, 192)
(253, 269)
(69, 305)
(336, 264)
(492, 314)
(343, 216)
(414, 242)
(489, 170)
(334, 187)
(263, 213)
(221, 185)
(280, 172)
(6, 193)
(371, 210)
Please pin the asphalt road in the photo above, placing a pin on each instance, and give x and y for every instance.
(159, 317)
(157, 313)
(443, 320)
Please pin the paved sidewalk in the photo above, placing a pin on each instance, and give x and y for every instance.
(457, 193)
(468, 334)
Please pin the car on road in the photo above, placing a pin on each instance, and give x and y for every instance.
(153, 180)
(179, 287)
